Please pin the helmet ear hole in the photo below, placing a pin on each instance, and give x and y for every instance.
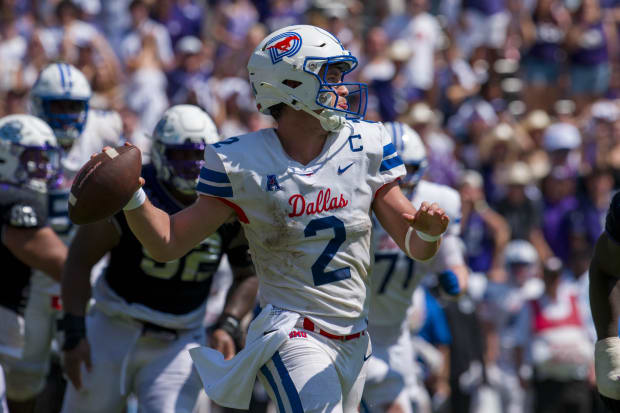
(292, 83)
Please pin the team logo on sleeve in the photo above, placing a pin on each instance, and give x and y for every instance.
(272, 183)
(285, 44)
(23, 216)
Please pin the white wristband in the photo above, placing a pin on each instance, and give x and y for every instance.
(136, 201)
(407, 241)
(427, 237)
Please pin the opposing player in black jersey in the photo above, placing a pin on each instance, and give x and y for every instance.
(605, 305)
(147, 314)
(29, 161)
(60, 97)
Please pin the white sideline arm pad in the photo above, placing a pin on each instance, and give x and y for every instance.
(607, 367)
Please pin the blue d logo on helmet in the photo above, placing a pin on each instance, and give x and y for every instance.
(285, 69)
(286, 44)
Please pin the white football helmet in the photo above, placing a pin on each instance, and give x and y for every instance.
(411, 150)
(29, 152)
(179, 141)
(60, 97)
(286, 68)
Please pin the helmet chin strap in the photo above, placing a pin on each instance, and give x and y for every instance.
(330, 121)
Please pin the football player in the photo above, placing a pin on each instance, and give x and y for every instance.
(29, 163)
(304, 192)
(60, 97)
(604, 303)
(395, 277)
(147, 314)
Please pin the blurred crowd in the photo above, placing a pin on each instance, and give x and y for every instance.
(517, 102)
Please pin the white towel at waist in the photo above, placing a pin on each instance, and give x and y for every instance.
(230, 382)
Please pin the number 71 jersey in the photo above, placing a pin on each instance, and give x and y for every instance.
(308, 226)
(395, 275)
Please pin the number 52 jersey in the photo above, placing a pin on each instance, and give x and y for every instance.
(308, 226)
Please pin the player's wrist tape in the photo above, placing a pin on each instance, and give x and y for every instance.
(607, 367)
(427, 237)
(422, 235)
(408, 241)
(230, 324)
(74, 327)
(136, 201)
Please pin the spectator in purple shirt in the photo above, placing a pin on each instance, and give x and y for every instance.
(483, 24)
(483, 230)
(590, 42)
(559, 201)
(193, 65)
(181, 18)
(543, 35)
(588, 220)
(522, 209)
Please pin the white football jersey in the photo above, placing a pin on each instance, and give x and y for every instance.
(395, 276)
(103, 128)
(308, 226)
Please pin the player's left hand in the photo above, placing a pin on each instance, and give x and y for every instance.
(73, 360)
(223, 342)
(430, 219)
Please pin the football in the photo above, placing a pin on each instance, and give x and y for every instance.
(105, 184)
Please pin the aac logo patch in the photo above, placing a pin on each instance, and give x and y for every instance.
(272, 183)
(285, 44)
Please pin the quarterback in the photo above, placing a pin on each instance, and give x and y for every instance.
(304, 193)
(29, 162)
(147, 315)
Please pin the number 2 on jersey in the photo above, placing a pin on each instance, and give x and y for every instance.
(319, 275)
